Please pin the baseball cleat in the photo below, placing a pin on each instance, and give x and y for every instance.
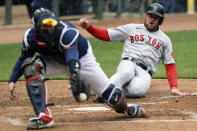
(40, 122)
(135, 111)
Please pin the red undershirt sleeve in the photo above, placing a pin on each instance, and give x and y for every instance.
(101, 34)
(171, 75)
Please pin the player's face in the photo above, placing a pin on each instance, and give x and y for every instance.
(48, 30)
(151, 22)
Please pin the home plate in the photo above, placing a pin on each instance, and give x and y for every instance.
(90, 109)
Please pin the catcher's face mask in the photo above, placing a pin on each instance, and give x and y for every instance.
(48, 25)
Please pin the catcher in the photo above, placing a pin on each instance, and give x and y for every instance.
(62, 50)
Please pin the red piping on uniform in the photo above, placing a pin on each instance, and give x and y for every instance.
(35, 77)
(101, 34)
(171, 74)
(45, 100)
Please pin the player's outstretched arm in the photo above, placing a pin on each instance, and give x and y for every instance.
(101, 34)
(175, 91)
(84, 23)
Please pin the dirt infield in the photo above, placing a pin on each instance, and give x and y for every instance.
(164, 112)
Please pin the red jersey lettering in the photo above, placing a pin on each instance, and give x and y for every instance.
(132, 39)
(136, 38)
(141, 37)
(158, 45)
(154, 42)
(149, 39)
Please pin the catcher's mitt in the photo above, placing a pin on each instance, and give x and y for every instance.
(79, 86)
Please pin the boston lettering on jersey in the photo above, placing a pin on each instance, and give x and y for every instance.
(151, 40)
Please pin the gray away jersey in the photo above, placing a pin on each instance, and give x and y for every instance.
(149, 47)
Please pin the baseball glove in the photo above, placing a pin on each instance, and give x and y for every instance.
(79, 86)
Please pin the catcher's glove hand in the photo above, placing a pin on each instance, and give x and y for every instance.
(79, 86)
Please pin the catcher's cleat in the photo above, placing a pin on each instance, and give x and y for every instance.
(135, 111)
(41, 121)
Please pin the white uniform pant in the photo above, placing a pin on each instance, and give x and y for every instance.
(90, 71)
(139, 80)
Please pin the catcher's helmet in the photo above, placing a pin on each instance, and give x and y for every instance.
(43, 18)
(158, 10)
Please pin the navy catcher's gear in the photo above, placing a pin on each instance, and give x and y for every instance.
(33, 71)
(115, 98)
(35, 91)
(43, 16)
(79, 86)
(74, 66)
(34, 42)
(158, 10)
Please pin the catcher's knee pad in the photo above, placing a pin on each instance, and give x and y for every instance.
(115, 98)
(33, 67)
(33, 71)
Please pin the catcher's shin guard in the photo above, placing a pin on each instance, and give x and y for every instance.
(115, 98)
(33, 71)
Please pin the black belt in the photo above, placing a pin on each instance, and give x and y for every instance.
(139, 64)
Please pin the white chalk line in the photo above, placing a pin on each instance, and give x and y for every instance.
(193, 94)
(191, 114)
(173, 96)
(152, 103)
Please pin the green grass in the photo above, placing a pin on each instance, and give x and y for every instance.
(184, 49)
(8, 56)
(108, 54)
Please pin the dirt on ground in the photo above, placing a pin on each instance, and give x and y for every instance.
(164, 112)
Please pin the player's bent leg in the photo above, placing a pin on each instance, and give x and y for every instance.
(139, 85)
(135, 91)
(115, 98)
(124, 73)
(37, 91)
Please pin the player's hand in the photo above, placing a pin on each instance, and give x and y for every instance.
(175, 91)
(11, 87)
(84, 23)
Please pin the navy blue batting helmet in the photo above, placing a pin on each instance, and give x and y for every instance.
(158, 10)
